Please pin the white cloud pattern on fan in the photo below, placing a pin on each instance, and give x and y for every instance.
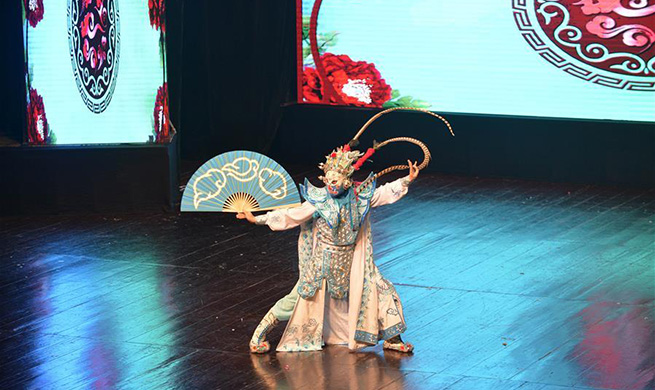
(235, 170)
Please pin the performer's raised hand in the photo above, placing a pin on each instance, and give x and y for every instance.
(413, 170)
(247, 215)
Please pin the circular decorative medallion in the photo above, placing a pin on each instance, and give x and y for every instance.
(607, 42)
(94, 38)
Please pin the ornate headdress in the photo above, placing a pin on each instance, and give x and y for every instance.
(342, 159)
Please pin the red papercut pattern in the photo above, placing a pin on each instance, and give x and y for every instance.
(33, 11)
(611, 35)
(94, 38)
(157, 11)
(606, 42)
(160, 113)
(93, 27)
(636, 8)
(37, 123)
(357, 83)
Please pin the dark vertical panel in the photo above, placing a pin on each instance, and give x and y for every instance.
(12, 65)
(238, 68)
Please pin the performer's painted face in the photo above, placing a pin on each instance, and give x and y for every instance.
(336, 183)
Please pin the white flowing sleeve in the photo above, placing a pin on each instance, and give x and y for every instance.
(390, 192)
(283, 219)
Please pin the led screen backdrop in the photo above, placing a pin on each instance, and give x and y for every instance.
(95, 71)
(592, 59)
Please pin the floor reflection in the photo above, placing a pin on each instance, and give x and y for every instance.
(84, 318)
(618, 345)
(592, 344)
(519, 287)
(333, 368)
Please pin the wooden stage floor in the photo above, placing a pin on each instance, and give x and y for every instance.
(506, 285)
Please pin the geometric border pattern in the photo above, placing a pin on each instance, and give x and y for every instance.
(522, 19)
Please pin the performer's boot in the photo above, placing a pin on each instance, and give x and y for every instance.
(396, 344)
(258, 343)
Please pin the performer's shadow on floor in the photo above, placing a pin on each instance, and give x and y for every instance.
(336, 367)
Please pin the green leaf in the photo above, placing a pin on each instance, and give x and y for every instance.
(404, 101)
(30, 74)
(52, 137)
(327, 40)
(305, 27)
(306, 52)
(390, 104)
(421, 104)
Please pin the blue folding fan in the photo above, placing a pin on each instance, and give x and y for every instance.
(239, 181)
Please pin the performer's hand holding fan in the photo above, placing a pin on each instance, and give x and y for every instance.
(239, 182)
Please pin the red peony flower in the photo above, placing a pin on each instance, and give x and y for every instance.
(37, 124)
(162, 127)
(33, 11)
(157, 11)
(312, 89)
(358, 83)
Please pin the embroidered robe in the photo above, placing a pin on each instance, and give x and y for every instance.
(344, 299)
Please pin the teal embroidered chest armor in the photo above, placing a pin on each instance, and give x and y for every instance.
(335, 227)
(334, 254)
